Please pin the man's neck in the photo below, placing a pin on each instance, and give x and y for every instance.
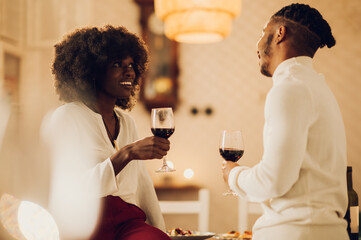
(285, 52)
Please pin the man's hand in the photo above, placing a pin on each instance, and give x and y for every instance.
(226, 169)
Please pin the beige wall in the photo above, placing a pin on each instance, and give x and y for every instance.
(224, 76)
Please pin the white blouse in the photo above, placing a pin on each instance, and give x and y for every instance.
(301, 179)
(82, 171)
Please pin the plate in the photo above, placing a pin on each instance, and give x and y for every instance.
(199, 236)
(224, 237)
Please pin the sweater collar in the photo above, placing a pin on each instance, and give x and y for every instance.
(288, 63)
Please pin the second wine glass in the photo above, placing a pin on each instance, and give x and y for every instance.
(231, 148)
(162, 125)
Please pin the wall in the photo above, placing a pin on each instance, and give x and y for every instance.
(224, 76)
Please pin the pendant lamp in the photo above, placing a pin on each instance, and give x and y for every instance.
(197, 21)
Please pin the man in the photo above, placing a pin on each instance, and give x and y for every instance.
(301, 179)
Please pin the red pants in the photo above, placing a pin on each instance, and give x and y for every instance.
(124, 221)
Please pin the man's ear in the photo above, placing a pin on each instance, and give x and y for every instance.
(280, 34)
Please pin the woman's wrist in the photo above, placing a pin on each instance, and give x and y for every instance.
(121, 158)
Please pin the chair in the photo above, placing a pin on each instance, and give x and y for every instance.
(246, 208)
(199, 207)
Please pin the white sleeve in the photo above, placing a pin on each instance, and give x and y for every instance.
(289, 110)
(148, 200)
(71, 158)
(102, 174)
(74, 208)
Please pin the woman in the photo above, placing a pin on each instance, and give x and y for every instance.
(94, 145)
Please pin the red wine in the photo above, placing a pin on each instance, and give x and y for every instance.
(163, 132)
(231, 154)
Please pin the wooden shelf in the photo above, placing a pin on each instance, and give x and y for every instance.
(176, 187)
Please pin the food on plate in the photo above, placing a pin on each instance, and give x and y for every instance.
(180, 232)
(237, 235)
(231, 234)
(246, 235)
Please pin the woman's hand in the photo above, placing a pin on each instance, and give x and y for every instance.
(147, 148)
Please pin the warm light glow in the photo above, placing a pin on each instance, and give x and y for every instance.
(197, 21)
(188, 173)
(162, 85)
(36, 223)
(170, 164)
(27, 220)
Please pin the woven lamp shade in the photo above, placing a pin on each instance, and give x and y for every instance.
(197, 21)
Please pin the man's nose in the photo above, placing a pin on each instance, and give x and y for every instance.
(258, 43)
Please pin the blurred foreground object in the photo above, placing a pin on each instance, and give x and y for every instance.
(26, 220)
(197, 21)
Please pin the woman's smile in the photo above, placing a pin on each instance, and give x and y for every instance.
(126, 84)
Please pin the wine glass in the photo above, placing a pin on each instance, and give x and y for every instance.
(231, 148)
(162, 125)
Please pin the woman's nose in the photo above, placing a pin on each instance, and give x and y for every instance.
(129, 72)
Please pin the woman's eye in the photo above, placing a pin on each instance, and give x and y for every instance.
(123, 65)
(116, 64)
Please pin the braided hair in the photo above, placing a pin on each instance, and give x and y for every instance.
(311, 21)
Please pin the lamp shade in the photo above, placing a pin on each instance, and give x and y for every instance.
(197, 21)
